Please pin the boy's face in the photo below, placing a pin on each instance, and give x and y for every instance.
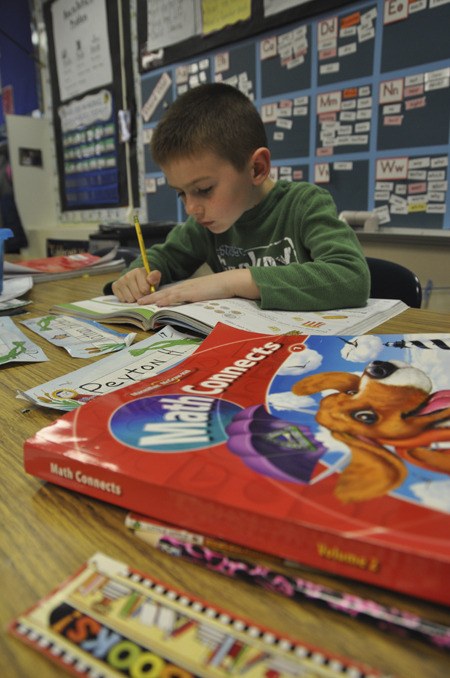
(214, 192)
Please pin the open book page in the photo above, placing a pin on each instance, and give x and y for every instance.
(240, 313)
(109, 308)
(246, 315)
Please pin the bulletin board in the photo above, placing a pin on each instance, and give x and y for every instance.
(91, 85)
(355, 99)
(192, 27)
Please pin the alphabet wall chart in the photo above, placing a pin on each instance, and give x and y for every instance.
(356, 99)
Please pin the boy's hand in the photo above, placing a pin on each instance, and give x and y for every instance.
(236, 283)
(135, 284)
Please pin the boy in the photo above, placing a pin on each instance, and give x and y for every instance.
(278, 242)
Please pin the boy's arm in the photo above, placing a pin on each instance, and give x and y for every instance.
(331, 271)
(318, 285)
(180, 255)
(223, 285)
(176, 259)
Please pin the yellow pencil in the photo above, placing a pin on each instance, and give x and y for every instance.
(142, 247)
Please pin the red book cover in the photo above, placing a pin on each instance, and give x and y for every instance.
(330, 451)
(61, 264)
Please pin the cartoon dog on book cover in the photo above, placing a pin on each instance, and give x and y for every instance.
(392, 416)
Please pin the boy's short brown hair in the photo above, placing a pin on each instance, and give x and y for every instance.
(213, 117)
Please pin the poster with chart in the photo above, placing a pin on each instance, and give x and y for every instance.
(90, 70)
(82, 50)
(171, 21)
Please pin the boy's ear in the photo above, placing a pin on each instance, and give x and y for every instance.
(260, 165)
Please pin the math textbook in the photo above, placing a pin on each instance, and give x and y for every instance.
(244, 314)
(330, 451)
(109, 619)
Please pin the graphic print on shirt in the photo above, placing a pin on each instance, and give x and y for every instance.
(279, 253)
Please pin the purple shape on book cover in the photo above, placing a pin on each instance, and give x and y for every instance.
(274, 447)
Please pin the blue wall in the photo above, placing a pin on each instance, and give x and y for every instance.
(17, 66)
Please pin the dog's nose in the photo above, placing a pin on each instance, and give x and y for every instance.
(380, 369)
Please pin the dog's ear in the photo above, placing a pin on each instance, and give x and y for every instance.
(339, 381)
(372, 472)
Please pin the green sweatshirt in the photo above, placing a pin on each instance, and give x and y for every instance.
(300, 255)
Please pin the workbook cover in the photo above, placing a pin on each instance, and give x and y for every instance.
(331, 451)
(61, 267)
(109, 619)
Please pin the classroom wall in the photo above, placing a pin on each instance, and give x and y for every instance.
(355, 98)
(429, 262)
(18, 70)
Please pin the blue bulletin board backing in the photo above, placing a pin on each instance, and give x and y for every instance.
(356, 99)
(18, 68)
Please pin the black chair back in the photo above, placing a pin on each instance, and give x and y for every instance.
(394, 281)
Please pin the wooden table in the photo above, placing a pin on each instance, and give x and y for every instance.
(47, 532)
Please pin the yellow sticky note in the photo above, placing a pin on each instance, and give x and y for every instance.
(417, 207)
(220, 13)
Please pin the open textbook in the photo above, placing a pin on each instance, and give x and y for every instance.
(203, 316)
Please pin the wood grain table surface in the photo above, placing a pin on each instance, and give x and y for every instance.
(47, 532)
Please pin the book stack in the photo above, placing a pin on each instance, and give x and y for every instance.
(329, 451)
(68, 266)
